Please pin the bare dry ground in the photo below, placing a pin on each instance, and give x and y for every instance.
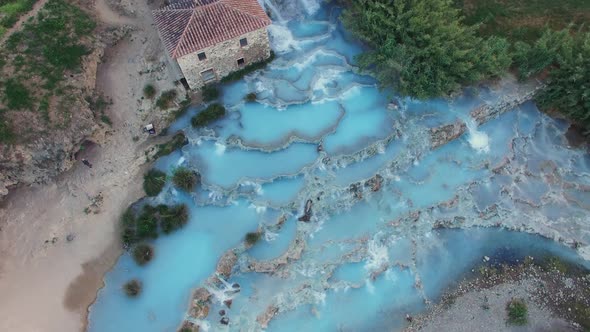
(57, 240)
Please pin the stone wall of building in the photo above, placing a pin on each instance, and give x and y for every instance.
(223, 57)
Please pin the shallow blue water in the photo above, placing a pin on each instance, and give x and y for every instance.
(368, 258)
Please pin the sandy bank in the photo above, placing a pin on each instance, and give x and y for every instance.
(58, 240)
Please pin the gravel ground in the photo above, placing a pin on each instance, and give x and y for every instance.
(557, 298)
(485, 310)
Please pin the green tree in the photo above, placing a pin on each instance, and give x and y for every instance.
(421, 47)
(173, 218)
(532, 59)
(143, 253)
(132, 288)
(568, 88)
(494, 57)
(185, 178)
(153, 182)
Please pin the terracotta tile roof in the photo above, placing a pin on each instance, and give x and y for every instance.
(187, 26)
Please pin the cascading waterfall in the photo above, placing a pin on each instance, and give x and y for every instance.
(310, 6)
(321, 136)
(478, 140)
(276, 14)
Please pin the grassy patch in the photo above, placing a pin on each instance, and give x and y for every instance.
(143, 254)
(517, 312)
(238, 75)
(210, 92)
(581, 314)
(166, 98)
(149, 91)
(11, 11)
(35, 61)
(153, 182)
(185, 178)
(554, 263)
(16, 95)
(175, 143)
(132, 288)
(211, 113)
(252, 238)
(524, 20)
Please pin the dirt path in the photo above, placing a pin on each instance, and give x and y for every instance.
(36, 7)
(58, 240)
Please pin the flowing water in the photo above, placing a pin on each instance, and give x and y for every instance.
(376, 247)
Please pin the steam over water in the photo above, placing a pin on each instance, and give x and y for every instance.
(376, 247)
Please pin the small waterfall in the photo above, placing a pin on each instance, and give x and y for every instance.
(273, 9)
(219, 148)
(478, 140)
(282, 39)
(311, 6)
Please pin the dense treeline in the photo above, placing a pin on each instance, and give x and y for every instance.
(422, 48)
(568, 88)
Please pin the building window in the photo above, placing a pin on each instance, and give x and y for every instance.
(243, 42)
(241, 62)
(202, 56)
(208, 75)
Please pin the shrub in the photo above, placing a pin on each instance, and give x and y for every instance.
(189, 326)
(143, 254)
(132, 288)
(173, 218)
(152, 218)
(211, 113)
(128, 221)
(65, 56)
(554, 263)
(251, 97)
(177, 141)
(252, 238)
(166, 98)
(153, 182)
(98, 104)
(517, 312)
(147, 224)
(16, 95)
(237, 75)
(185, 179)
(210, 92)
(149, 91)
(105, 118)
(184, 107)
(6, 133)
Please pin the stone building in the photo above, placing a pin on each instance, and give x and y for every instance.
(209, 39)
